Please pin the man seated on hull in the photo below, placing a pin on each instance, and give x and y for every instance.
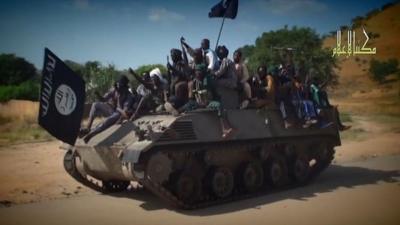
(177, 72)
(179, 75)
(225, 76)
(263, 87)
(115, 105)
(284, 97)
(144, 94)
(196, 61)
(153, 88)
(305, 109)
(160, 87)
(320, 99)
(205, 96)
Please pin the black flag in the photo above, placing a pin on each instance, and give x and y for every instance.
(227, 8)
(62, 98)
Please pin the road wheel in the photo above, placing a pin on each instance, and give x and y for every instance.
(301, 168)
(222, 182)
(188, 187)
(277, 170)
(252, 176)
(323, 160)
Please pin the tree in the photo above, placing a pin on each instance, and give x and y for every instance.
(15, 70)
(98, 78)
(76, 67)
(146, 69)
(247, 51)
(308, 54)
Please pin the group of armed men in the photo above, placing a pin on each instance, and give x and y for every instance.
(195, 84)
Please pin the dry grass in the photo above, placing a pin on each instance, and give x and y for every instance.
(20, 110)
(355, 134)
(18, 123)
(357, 92)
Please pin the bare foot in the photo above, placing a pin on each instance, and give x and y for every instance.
(169, 108)
(226, 133)
(83, 132)
(344, 127)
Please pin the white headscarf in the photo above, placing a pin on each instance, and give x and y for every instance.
(157, 72)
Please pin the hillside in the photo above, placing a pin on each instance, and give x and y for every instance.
(356, 91)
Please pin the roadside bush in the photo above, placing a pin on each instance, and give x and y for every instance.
(15, 70)
(146, 68)
(381, 69)
(28, 90)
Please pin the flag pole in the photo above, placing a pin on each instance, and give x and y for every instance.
(220, 30)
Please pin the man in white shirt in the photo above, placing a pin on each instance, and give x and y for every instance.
(209, 56)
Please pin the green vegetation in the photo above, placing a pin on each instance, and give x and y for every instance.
(308, 55)
(391, 122)
(100, 78)
(28, 90)
(18, 79)
(381, 69)
(354, 134)
(15, 70)
(147, 68)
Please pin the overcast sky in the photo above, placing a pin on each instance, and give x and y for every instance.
(131, 33)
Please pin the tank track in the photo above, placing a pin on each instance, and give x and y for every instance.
(105, 187)
(166, 194)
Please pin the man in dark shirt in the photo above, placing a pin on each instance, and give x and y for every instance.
(205, 96)
(179, 70)
(226, 74)
(115, 105)
(179, 74)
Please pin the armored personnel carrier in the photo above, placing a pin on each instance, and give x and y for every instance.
(185, 161)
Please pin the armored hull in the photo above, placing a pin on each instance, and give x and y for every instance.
(185, 161)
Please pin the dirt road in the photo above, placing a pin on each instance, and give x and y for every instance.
(365, 192)
(362, 187)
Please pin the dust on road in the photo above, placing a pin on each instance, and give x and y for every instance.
(365, 192)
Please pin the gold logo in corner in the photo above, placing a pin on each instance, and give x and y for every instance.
(351, 48)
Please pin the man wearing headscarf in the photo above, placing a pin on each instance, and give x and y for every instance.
(115, 105)
(154, 88)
